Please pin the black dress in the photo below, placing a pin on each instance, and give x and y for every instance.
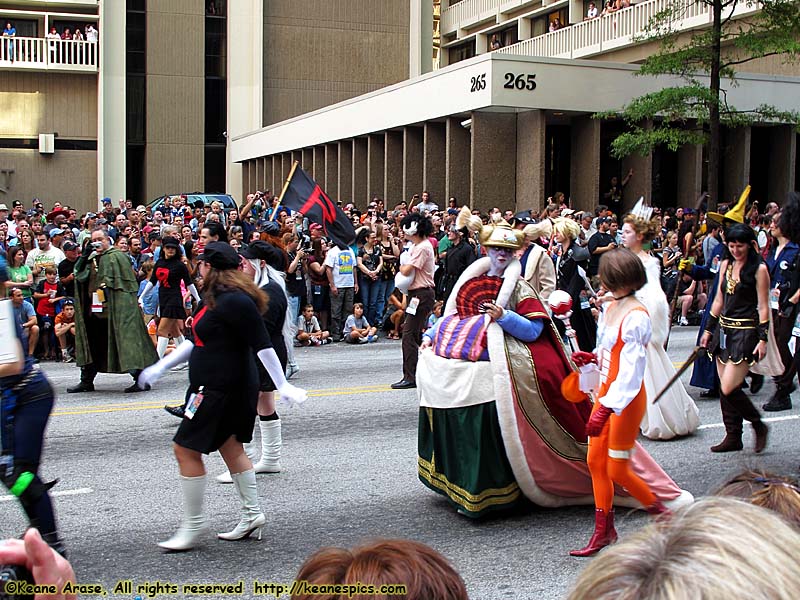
(570, 281)
(737, 334)
(222, 364)
(169, 273)
(458, 258)
(274, 317)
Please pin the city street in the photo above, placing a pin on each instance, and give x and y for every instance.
(349, 461)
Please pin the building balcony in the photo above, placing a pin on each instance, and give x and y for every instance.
(48, 4)
(38, 54)
(611, 32)
(469, 13)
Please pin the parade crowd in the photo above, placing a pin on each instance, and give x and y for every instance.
(572, 295)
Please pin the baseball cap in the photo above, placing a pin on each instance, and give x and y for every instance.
(69, 245)
(3, 207)
(315, 227)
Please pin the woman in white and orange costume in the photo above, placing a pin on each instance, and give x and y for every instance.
(623, 334)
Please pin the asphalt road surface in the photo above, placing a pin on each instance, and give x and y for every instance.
(349, 475)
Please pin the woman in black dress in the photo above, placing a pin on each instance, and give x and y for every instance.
(264, 264)
(736, 333)
(228, 331)
(571, 268)
(169, 271)
(458, 256)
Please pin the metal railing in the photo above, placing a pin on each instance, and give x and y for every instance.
(612, 31)
(40, 53)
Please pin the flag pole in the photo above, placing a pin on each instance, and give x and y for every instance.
(283, 191)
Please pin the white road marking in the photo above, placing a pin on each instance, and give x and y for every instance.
(76, 492)
(770, 420)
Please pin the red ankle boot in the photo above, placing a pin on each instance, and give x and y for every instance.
(604, 533)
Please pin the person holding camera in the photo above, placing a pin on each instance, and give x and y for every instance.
(110, 335)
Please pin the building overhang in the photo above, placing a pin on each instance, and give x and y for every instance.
(497, 82)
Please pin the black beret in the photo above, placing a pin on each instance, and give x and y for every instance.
(220, 255)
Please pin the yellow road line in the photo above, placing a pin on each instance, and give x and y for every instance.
(109, 408)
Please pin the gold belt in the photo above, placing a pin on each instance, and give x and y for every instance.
(729, 323)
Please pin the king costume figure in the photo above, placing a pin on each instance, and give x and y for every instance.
(110, 334)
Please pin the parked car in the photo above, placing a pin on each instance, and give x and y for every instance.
(228, 203)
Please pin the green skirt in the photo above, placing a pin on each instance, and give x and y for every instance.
(462, 457)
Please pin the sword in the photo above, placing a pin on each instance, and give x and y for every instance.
(680, 372)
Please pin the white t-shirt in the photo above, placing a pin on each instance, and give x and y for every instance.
(343, 263)
(307, 326)
(49, 258)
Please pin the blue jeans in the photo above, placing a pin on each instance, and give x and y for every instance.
(380, 304)
(294, 308)
(369, 294)
(24, 414)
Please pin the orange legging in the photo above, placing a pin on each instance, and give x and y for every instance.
(618, 434)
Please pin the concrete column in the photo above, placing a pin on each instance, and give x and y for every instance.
(260, 164)
(318, 172)
(531, 137)
(297, 155)
(735, 173)
(782, 157)
(493, 162)
(331, 184)
(286, 166)
(690, 174)
(457, 161)
(641, 184)
(584, 176)
(420, 53)
(111, 116)
(525, 29)
(308, 160)
(376, 150)
(273, 172)
(433, 162)
(412, 161)
(393, 168)
(360, 171)
(245, 178)
(245, 71)
(345, 175)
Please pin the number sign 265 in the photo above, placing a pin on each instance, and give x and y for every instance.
(477, 83)
(520, 82)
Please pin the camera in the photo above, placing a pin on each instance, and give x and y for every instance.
(14, 574)
(97, 245)
(305, 243)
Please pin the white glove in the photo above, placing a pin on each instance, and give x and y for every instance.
(192, 289)
(147, 289)
(154, 372)
(289, 394)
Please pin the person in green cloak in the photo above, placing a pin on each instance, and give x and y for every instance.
(110, 335)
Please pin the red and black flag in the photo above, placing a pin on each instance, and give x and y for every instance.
(305, 196)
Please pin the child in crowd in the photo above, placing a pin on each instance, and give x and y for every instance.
(357, 329)
(149, 301)
(47, 295)
(65, 330)
(436, 314)
(309, 332)
(394, 314)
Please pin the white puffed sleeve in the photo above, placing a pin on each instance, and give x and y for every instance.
(636, 332)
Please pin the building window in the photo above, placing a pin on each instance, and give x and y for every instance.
(136, 99)
(216, 96)
(461, 52)
(215, 46)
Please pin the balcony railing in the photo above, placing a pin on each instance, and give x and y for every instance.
(613, 31)
(46, 54)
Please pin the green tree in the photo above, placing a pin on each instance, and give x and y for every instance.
(707, 61)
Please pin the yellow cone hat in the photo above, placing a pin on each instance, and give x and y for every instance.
(736, 214)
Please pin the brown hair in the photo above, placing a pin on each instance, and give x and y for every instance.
(227, 280)
(621, 269)
(419, 569)
(647, 229)
(776, 492)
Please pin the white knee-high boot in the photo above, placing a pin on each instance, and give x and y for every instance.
(271, 442)
(161, 346)
(252, 518)
(194, 522)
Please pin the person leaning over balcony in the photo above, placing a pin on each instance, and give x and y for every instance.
(592, 12)
(9, 32)
(91, 33)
